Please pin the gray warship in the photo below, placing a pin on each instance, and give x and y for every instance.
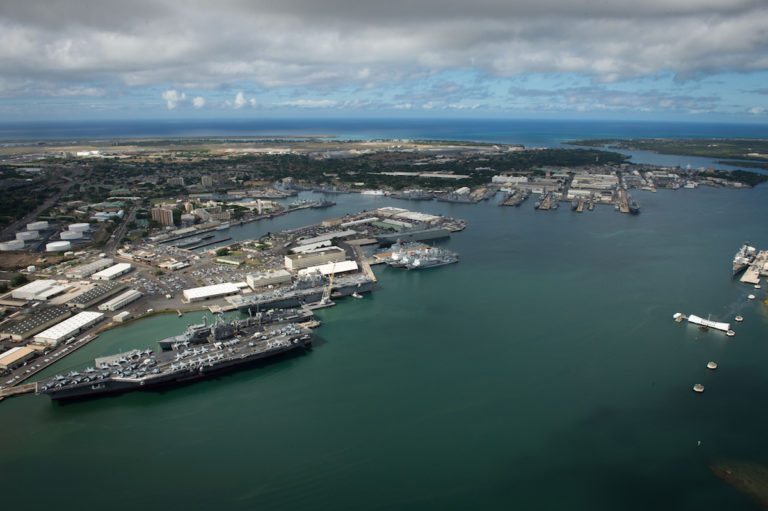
(228, 346)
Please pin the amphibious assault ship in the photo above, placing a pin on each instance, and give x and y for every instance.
(743, 258)
(227, 347)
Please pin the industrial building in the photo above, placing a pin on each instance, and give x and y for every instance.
(331, 268)
(327, 237)
(95, 295)
(197, 294)
(121, 300)
(58, 246)
(86, 270)
(113, 272)
(312, 247)
(122, 317)
(40, 290)
(296, 262)
(68, 328)
(37, 322)
(272, 278)
(15, 357)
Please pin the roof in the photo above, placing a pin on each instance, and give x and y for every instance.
(208, 291)
(112, 271)
(327, 269)
(93, 294)
(33, 288)
(327, 236)
(14, 355)
(70, 326)
(40, 317)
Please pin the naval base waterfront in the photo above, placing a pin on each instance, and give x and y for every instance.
(542, 372)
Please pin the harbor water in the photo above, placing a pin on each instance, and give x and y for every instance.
(543, 371)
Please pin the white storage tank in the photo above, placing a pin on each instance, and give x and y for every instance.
(71, 235)
(58, 246)
(37, 226)
(31, 269)
(27, 235)
(12, 245)
(79, 227)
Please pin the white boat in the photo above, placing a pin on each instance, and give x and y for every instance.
(739, 319)
(223, 226)
(356, 295)
(698, 388)
(751, 297)
(712, 365)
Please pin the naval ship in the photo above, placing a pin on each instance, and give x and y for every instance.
(415, 234)
(199, 333)
(743, 258)
(228, 346)
(431, 258)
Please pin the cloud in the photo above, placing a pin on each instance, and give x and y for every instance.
(239, 101)
(317, 42)
(311, 103)
(757, 110)
(172, 98)
(198, 102)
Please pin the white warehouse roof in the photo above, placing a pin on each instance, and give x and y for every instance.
(112, 271)
(327, 269)
(31, 290)
(69, 327)
(201, 293)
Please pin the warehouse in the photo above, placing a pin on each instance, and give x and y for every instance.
(295, 262)
(120, 301)
(198, 294)
(96, 295)
(113, 272)
(312, 247)
(327, 237)
(68, 328)
(14, 357)
(271, 278)
(331, 268)
(86, 270)
(37, 322)
(30, 291)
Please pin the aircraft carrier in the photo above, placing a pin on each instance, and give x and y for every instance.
(404, 236)
(228, 346)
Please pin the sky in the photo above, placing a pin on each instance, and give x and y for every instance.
(615, 59)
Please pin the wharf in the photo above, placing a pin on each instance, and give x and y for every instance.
(16, 390)
(580, 206)
(623, 201)
(208, 243)
(751, 275)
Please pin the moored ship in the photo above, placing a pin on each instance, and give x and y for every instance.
(743, 258)
(228, 346)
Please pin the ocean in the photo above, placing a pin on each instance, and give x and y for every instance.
(543, 371)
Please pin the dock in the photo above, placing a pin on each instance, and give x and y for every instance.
(17, 390)
(623, 201)
(365, 267)
(513, 199)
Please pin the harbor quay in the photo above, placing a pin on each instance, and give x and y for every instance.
(306, 267)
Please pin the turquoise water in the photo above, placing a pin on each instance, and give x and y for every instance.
(544, 371)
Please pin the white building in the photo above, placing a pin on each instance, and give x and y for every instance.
(113, 272)
(272, 278)
(120, 300)
(34, 290)
(295, 262)
(331, 268)
(86, 270)
(197, 294)
(68, 328)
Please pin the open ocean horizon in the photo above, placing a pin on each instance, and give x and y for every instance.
(530, 132)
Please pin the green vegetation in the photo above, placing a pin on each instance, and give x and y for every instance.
(19, 280)
(222, 252)
(738, 148)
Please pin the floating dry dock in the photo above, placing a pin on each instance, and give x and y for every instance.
(696, 320)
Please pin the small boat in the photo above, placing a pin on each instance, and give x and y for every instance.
(712, 365)
(757, 286)
(730, 333)
(698, 388)
(751, 297)
(739, 319)
(357, 295)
